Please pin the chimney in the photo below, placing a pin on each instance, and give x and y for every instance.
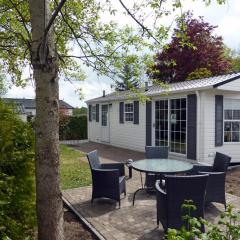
(146, 86)
(103, 93)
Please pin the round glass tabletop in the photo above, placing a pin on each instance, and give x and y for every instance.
(163, 166)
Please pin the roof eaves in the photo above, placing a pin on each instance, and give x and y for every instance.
(226, 81)
(180, 91)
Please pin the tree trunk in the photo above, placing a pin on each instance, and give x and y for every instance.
(49, 201)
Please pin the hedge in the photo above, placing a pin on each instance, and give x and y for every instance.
(73, 127)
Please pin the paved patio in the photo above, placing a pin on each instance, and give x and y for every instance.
(128, 222)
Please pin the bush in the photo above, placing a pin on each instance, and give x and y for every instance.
(227, 228)
(17, 191)
(73, 127)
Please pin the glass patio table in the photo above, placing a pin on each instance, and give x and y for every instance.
(160, 167)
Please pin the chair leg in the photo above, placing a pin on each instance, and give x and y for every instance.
(92, 201)
(119, 203)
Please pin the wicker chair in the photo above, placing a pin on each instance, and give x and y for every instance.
(178, 189)
(154, 152)
(217, 175)
(108, 180)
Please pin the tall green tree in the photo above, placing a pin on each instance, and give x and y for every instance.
(127, 81)
(55, 37)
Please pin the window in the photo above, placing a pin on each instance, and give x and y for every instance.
(93, 112)
(231, 120)
(161, 129)
(128, 112)
(104, 115)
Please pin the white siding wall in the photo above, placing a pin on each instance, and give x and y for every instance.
(94, 130)
(207, 139)
(126, 135)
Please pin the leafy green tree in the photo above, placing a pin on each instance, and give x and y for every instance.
(17, 185)
(79, 111)
(55, 37)
(234, 58)
(236, 64)
(199, 73)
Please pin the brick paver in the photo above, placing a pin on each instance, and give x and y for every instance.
(129, 222)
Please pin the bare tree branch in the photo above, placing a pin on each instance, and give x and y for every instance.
(138, 22)
(51, 21)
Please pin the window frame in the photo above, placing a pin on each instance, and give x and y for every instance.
(94, 113)
(104, 118)
(230, 121)
(128, 112)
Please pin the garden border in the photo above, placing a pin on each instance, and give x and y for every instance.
(83, 220)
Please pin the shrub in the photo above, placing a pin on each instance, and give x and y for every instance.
(73, 127)
(227, 228)
(17, 191)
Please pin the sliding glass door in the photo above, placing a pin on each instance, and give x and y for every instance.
(170, 124)
(178, 123)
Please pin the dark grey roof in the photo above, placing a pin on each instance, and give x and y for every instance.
(30, 103)
(184, 86)
(63, 104)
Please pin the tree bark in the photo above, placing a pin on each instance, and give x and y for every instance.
(45, 72)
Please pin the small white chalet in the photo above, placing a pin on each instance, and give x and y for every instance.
(194, 118)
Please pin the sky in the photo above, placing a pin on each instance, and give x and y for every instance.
(226, 17)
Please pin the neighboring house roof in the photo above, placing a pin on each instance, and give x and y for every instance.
(31, 104)
(204, 83)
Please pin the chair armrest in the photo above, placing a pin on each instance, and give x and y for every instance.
(119, 166)
(215, 178)
(215, 186)
(200, 168)
(212, 173)
(159, 189)
(105, 177)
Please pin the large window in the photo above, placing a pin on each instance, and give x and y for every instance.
(231, 120)
(104, 115)
(161, 116)
(128, 112)
(178, 125)
(93, 112)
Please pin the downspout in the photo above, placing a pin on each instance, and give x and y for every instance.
(198, 124)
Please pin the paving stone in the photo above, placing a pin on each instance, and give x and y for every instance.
(129, 222)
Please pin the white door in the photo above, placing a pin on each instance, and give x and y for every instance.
(105, 126)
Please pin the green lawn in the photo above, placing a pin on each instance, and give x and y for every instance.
(74, 171)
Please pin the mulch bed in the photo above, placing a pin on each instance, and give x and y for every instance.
(74, 229)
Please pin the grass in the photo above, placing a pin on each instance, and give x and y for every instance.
(74, 171)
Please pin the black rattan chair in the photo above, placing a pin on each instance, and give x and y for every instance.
(217, 175)
(154, 152)
(108, 180)
(178, 189)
